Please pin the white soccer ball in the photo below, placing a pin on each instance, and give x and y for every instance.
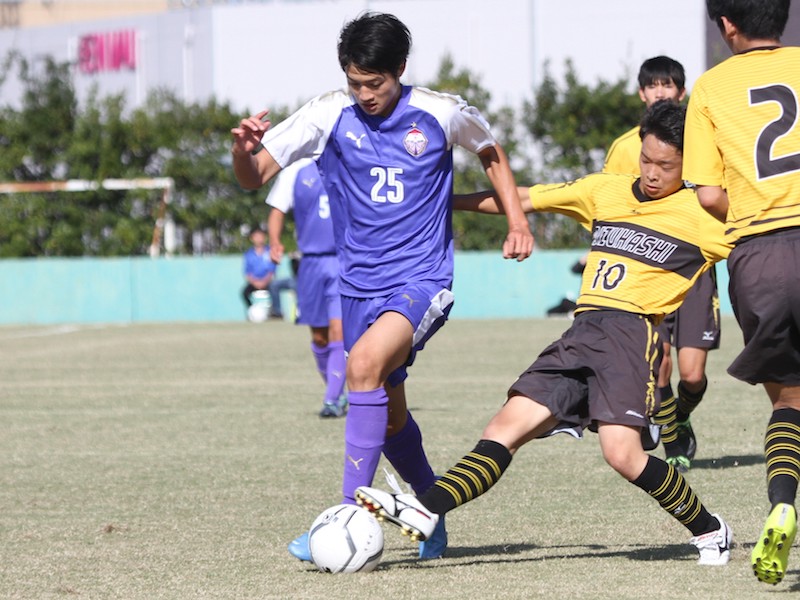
(345, 539)
(257, 313)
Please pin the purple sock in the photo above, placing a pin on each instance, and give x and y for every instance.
(321, 358)
(405, 452)
(364, 432)
(336, 371)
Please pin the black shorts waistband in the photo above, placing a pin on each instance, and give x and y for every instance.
(614, 312)
(786, 232)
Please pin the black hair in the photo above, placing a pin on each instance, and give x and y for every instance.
(755, 19)
(374, 42)
(664, 119)
(662, 69)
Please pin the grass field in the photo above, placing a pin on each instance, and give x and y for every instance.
(177, 461)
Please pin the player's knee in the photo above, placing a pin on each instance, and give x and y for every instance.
(693, 379)
(319, 339)
(625, 461)
(363, 371)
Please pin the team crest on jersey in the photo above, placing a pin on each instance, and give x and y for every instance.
(415, 141)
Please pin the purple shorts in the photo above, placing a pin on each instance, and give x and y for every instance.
(425, 305)
(318, 299)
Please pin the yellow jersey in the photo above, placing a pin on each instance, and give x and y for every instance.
(743, 134)
(623, 155)
(645, 254)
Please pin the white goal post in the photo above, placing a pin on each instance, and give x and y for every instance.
(164, 226)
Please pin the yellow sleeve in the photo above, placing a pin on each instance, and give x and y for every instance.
(702, 163)
(572, 199)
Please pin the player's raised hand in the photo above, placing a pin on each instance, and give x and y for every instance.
(518, 243)
(247, 136)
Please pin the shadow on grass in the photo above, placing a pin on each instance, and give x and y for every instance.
(514, 553)
(728, 462)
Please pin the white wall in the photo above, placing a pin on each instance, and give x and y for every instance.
(609, 38)
(292, 55)
(282, 53)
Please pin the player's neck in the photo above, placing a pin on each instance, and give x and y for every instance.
(742, 45)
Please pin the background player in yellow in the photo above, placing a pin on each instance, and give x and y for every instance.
(660, 78)
(694, 328)
(743, 154)
(650, 242)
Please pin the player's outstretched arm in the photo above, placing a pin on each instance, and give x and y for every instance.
(252, 165)
(519, 240)
(715, 200)
(488, 202)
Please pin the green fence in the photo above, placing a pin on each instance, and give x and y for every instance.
(127, 290)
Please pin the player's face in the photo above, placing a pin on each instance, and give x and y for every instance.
(661, 90)
(661, 167)
(376, 93)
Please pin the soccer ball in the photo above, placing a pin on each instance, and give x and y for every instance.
(258, 312)
(345, 539)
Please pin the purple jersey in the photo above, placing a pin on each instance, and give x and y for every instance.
(299, 188)
(389, 180)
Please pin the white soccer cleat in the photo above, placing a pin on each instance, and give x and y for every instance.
(403, 510)
(714, 546)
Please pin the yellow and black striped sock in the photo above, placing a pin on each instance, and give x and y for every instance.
(665, 417)
(782, 450)
(688, 401)
(470, 477)
(675, 495)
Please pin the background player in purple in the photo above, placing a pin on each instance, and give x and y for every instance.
(384, 151)
(299, 189)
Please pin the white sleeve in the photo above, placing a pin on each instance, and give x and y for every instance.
(305, 133)
(281, 195)
(463, 124)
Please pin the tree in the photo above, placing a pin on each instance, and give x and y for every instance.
(571, 128)
(34, 141)
(473, 231)
(52, 137)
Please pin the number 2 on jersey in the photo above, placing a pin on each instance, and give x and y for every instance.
(766, 165)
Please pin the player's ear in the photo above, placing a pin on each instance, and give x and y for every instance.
(401, 70)
(728, 28)
(682, 95)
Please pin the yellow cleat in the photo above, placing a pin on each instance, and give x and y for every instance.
(770, 556)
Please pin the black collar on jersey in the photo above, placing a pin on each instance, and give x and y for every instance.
(758, 48)
(642, 197)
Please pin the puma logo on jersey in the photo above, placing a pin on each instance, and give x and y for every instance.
(410, 300)
(352, 136)
(355, 462)
(309, 182)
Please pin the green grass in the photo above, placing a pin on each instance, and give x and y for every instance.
(177, 461)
